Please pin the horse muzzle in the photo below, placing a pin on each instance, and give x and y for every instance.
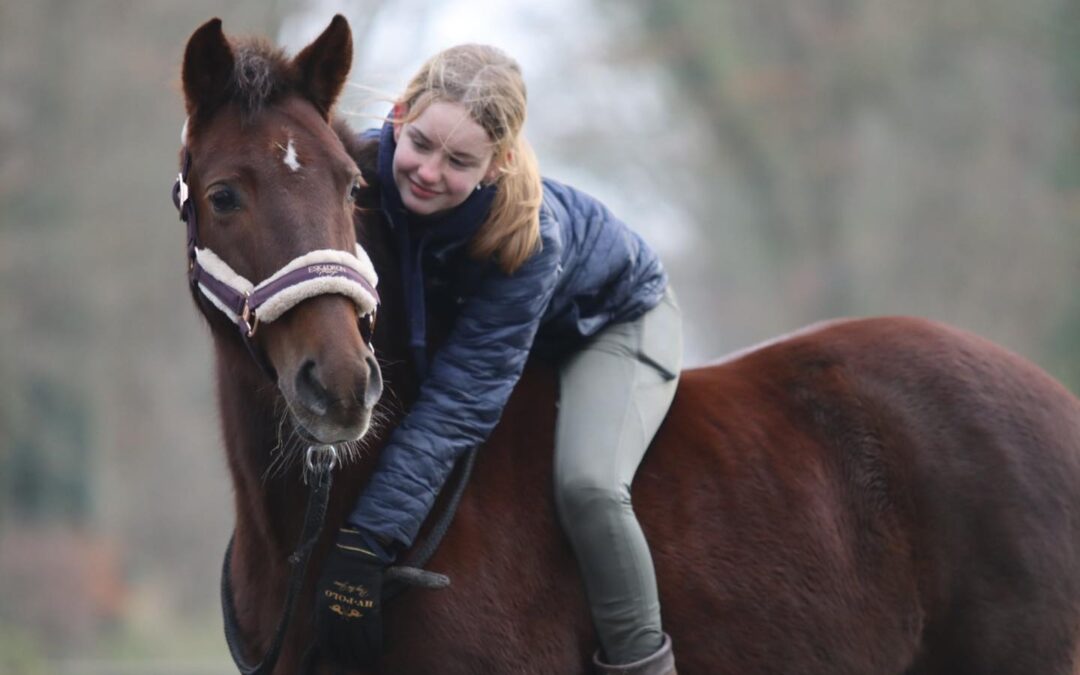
(332, 400)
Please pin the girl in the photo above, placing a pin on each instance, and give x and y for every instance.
(530, 264)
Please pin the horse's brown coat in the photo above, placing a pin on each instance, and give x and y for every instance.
(871, 497)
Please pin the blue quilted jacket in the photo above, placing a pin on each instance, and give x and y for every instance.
(590, 271)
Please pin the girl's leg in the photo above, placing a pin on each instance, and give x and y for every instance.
(614, 395)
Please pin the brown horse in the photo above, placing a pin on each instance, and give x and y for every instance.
(882, 496)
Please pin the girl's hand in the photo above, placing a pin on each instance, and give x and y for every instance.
(348, 603)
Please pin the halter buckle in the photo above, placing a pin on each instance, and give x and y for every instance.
(246, 317)
(319, 456)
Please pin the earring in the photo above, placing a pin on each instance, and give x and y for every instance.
(479, 186)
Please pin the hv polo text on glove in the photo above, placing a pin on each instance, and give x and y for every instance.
(348, 600)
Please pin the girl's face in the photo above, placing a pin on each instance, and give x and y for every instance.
(441, 157)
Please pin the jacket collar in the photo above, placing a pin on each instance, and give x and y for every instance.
(443, 231)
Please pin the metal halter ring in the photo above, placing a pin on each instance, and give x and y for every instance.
(330, 450)
(246, 315)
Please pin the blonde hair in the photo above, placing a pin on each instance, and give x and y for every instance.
(489, 84)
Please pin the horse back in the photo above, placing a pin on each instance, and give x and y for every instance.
(869, 497)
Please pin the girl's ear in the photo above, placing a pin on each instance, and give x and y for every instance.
(398, 116)
(498, 165)
(207, 70)
(324, 64)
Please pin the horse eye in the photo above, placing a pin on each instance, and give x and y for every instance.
(367, 327)
(223, 200)
(354, 191)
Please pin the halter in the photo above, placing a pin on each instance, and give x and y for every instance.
(247, 304)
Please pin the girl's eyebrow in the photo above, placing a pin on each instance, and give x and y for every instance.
(418, 136)
(461, 155)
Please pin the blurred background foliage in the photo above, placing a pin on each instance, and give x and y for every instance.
(793, 160)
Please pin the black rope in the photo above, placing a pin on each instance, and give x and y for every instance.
(423, 554)
(411, 572)
(399, 578)
(313, 523)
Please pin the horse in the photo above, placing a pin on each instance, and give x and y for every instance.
(867, 496)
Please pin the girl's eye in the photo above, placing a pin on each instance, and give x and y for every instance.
(459, 163)
(223, 200)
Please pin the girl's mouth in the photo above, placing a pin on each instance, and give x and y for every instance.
(421, 191)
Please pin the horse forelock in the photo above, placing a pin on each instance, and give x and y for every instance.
(262, 74)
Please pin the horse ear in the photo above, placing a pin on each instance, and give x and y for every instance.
(324, 64)
(208, 68)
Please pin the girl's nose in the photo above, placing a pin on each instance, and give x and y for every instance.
(428, 171)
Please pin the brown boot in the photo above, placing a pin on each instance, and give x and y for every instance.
(662, 662)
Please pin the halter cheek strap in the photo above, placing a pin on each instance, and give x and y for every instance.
(247, 304)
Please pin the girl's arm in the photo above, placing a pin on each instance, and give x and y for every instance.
(470, 380)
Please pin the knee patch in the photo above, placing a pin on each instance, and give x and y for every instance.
(582, 499)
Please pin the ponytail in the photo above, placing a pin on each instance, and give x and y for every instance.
(511, 233)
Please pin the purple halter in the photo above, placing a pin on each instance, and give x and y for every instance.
(248, 304)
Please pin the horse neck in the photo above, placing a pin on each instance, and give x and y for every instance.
(268, 491)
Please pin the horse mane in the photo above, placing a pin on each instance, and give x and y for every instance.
(261, 74)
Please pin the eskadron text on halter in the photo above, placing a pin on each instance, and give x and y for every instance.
(248, 304)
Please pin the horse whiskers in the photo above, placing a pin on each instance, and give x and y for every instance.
(276, 451)
(389, 399)
(290, 455)
(281, 410)
(352, 451)
(289, 451)
(380, 420)
(293, 449)
(284, 453)
(278, 464)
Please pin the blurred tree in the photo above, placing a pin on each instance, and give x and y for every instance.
(1067, 335)
(889, 157)
(45, 477)
(106, 397)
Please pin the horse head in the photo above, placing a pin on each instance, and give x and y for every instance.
(269, 192)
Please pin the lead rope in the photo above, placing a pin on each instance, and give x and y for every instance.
(410, 573)
(314, 518)
(400, 577)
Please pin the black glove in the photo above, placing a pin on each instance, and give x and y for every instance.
(348, 602)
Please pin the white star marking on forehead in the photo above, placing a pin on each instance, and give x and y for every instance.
(290, 156)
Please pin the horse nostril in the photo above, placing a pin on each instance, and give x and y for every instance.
(310, 390)
(373, 389)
